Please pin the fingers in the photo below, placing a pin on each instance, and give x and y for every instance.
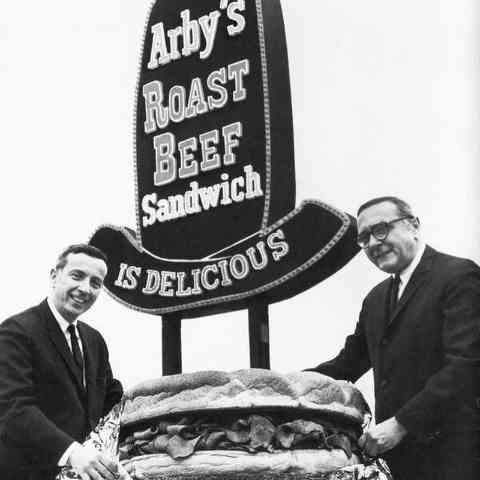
(369, 445)
(382, 437)
(361, 441)
(94, 475)
(130, 470)
(90, 474)
(106, 469)
(123, 474)
(372, 448)
(91, 464)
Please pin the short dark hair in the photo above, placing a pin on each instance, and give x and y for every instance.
(404, 209)
(85, 248)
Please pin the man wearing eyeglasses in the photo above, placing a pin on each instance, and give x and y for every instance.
(420, 332)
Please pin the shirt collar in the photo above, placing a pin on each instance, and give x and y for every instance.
(63, 324)
(407, 272)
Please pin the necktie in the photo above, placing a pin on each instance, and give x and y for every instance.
(77, 353)
(394, 294)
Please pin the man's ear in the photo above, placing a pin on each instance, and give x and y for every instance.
(415, 223)
(53, 275)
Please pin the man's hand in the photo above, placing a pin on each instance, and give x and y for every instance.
(382, 437)
(91, 464)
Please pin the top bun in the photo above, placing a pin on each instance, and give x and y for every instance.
(243, 389)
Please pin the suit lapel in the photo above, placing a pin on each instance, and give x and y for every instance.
(418, 278)
(60, 342)
(383, 305)
(90, 362)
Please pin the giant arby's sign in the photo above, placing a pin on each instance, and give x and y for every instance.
(214, 169)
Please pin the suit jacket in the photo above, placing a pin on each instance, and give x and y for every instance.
(426, 358)
(44, 406)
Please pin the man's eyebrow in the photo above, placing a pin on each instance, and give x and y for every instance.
(369, 228)
(77, 270)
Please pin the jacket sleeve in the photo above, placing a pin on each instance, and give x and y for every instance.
(114, 389)
(23, 424)
(458, 377)
(353, 360)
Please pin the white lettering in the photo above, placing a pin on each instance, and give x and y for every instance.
(195, 36)
(237, 71)
(158, 54)
(205, 271)
(280, 249)
(236, 17)
(165, 163)
(166, 278)
(229, 132)
(188, 166)
(209, 25)
(181, 104)
(197, 199)
(211, 159)
(156, 116)
(191, 34)
(239, 266)
(152, 283)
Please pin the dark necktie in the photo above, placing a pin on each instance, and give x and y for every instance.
(394, 294)
(77, 353)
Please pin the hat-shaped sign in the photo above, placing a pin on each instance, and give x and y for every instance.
(214, 169)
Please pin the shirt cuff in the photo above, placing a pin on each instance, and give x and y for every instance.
(66, 455)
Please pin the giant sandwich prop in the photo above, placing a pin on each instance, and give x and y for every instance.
(246, 424)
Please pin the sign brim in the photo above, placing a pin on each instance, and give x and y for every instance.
(303, 248)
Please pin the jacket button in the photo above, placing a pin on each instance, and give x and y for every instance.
(383, 383)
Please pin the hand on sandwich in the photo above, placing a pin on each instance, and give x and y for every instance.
(382, 437)
(92, 464)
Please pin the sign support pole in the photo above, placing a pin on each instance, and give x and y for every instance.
(171, 343)
(259, 334)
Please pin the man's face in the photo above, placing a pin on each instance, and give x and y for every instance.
(396, 252)
(76, 286)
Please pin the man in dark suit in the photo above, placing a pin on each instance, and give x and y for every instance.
(55, 377)
(420, 332)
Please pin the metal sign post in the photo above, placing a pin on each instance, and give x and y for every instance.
(259, 334)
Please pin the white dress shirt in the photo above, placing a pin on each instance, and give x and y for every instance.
(63, 324)
(407, 272)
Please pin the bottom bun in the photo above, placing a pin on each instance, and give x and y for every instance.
(237, 464)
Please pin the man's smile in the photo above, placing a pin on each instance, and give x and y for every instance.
(79, 300)
(381, 254)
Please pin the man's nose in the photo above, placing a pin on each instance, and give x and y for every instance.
(373, 242)
(84, 285)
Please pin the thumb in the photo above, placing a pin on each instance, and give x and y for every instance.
(109, 463)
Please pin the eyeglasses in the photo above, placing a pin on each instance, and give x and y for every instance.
(380, 231)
